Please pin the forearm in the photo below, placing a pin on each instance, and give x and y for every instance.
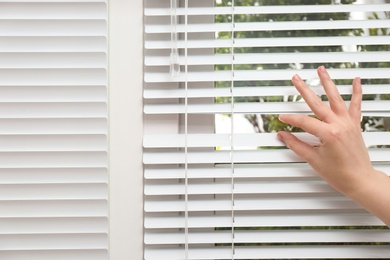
(374, 195)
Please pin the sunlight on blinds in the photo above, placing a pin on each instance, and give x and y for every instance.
(241, 194)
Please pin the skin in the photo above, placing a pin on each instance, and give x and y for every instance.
(341, 158)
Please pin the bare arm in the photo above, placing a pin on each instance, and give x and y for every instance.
(341, 159)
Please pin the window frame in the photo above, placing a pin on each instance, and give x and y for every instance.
(125, 129)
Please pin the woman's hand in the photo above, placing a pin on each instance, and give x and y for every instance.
(341, 158)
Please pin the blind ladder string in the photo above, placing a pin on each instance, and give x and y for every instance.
(232, 130)
(186, 229)
(174, 69)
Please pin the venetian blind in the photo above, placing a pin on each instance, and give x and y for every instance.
(53, 129)
(235, 194)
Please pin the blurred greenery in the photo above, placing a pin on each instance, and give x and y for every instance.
(270, 123)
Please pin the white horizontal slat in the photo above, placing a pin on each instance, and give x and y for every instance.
(53, 175)
(23, 60)
(263, 139)
(53, 43)
(240, 171)
(52, 159)
(51, 27)
(47, 76)
(268, 236)
(267, 26)
(53, 110)
(251, 156)
(85, 254)
(250, 171)
(277, 187)
(368, 107)
(261, 75)
(262, 171)
(266, 204)
(272, 58)
(271, 252)
(258, 156)
(255, 91)
(53, 191)
(280, 219)
(53, 10)
(262, 9)
(15, 143)
(56, 225)
(53, 126)
(53, 208)
(58, 93)
(57, 1)
(53, 241)
(270, 42)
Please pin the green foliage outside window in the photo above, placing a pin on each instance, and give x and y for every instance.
(270, 123)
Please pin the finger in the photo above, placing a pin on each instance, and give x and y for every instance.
(308, 124)
(336, 102)
(355, 106)
(302, 149)
(319, 108)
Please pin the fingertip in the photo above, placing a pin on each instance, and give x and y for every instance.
(282, 118)
(297, 81)
(296, 77)
(284, 137)
(357, 81)
(280, 136)
(321, 69)
(357, 86)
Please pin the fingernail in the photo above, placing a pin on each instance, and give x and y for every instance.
(358, 80)
(296, 77)
(322, 69)
(281, 118)
(280, 137)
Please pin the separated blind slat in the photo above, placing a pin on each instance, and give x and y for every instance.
(275, 252)
(270, 42)
(373, 107)
(268, 75)
(265, 139)
(267, 58)
(53, 130)
(277, 26)
(241, 156)
(260, 172)
(254, 91)
(263, 236)
(269, 9)
(276, 220)
(236, 194)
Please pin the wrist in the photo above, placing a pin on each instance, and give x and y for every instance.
(366, 185)
(374, 195)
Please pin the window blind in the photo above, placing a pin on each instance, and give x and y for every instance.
(53, 130)
(243, 195)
